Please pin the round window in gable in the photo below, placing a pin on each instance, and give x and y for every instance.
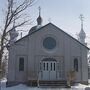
(49, 43)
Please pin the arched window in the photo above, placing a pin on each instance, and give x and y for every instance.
(76, 64)
(21, 64)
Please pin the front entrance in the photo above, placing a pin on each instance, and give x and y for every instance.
(48, 66)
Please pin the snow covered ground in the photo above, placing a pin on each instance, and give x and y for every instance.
(23, 87)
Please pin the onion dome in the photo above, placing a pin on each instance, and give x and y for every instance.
(39, 20)
(82, 34)
(39, 23)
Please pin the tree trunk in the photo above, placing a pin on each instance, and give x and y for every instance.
(1, 51)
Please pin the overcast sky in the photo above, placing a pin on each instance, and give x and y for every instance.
(63, 13)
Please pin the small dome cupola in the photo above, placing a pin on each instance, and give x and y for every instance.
(82, 34)
(39, 19)
(39, 23)
(13, 34)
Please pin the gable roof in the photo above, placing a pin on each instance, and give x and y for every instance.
(58, 29)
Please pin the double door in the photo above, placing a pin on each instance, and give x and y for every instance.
(48, 70)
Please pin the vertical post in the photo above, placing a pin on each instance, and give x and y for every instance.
(81, 18)
(39, 8)
(38, 80)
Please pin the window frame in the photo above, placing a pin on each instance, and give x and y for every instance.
(21, 63)
(76, 64)
(49, 43)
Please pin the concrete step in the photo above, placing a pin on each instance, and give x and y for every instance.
(52, 83)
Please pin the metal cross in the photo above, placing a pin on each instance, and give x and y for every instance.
(39, 8)
(81, 18)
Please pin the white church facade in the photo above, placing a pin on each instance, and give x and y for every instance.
(47, 53)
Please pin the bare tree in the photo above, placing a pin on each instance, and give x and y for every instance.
(71, 75)
(14, 11)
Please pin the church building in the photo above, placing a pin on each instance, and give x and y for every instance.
(47, 53)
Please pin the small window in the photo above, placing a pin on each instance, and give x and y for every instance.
(54, 66)
(51, 66)
(47, 66)
(43, 66)
(76, 64)
(21, 64)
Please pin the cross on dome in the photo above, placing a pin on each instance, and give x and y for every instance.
(82, 34)
(39, 19)
(81, 18)
(39, 8)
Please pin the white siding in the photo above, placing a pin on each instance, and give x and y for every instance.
(32, 47)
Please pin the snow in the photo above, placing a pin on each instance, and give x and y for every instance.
(77, 86)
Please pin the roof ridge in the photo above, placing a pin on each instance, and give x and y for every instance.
(59, 29)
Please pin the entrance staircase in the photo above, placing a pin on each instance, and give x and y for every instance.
(52, 83)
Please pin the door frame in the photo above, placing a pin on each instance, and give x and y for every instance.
(21, 73)
(48, 68)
